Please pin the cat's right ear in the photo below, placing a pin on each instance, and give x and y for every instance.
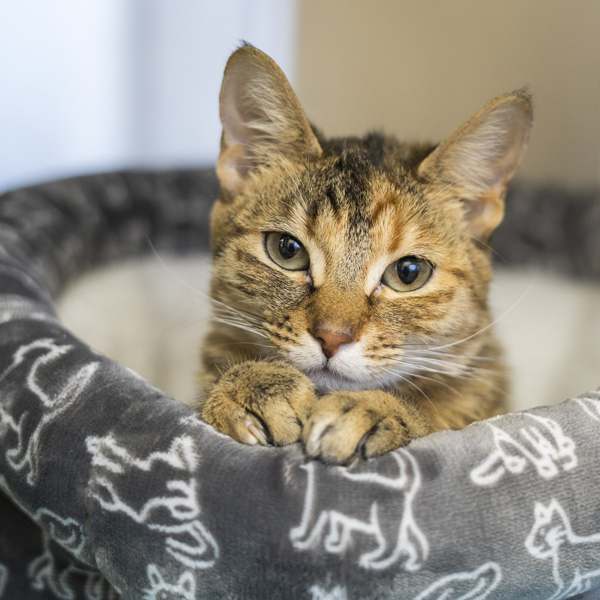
(478, 160)
(261, 116)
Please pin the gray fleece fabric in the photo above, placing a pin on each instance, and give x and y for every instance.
(110, 489)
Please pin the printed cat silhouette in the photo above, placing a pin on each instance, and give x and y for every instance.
(350, 275)
(172, 510)
(591, 405)
(551, 532)
(381, 532)
(53, 572)
(543, 444)
(474, 585)
(51, 400)
(337, 593)
(64, 531)
(184, 589)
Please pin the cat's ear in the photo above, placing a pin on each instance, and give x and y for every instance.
(261, 116)
(478, 160)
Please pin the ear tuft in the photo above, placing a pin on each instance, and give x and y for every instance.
(261, 117)
(479, 159)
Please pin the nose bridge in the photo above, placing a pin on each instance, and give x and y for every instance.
(339, 311)
(339, 304)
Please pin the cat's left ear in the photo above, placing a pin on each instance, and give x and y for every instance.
(261, 116)
(479, 159)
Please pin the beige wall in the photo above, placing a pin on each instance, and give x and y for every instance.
(418, 68)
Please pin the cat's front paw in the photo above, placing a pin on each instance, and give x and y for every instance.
(260, 403)
(348, 426)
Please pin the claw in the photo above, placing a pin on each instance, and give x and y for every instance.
(257, 432)
(250, 433)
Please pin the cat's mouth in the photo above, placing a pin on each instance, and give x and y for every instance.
(326, 380)
(347, 370)
(333, 375)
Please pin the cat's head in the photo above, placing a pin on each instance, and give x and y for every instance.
(351, 256)
(550, 530)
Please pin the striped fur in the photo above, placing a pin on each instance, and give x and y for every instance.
(419, 361)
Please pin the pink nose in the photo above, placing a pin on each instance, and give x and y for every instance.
(330, 341)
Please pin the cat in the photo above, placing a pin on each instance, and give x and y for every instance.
(350, 275)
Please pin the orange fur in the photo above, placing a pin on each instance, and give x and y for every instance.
(419, 360)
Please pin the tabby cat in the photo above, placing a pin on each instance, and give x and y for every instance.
(350, 275)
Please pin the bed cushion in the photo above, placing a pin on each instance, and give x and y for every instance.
(110, 487)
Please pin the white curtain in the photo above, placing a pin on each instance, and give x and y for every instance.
(107, 84)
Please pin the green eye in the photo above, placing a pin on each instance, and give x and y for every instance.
(407, 274)
(287, 252)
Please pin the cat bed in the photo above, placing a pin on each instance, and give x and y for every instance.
(109, 488)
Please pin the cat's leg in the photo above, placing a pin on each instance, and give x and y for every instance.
(348, 426)
(258, 402)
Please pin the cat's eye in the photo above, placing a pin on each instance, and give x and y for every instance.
(286, 251)
(407, 274)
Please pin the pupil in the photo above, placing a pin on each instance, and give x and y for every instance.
(408, 271)
(288, 247)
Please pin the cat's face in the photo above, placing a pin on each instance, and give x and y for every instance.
(352, 258)
(319, 248)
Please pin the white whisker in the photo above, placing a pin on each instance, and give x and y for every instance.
(269, 346)
(453, 368)
(446, 187)
(220, 305)
(239, 326)
(436, 353)
(489, 324)
(396, 374)
(441, 383)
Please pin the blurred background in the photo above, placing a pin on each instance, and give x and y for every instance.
(106, 84)
(110, 84)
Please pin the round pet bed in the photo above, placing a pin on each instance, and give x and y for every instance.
(109, 488)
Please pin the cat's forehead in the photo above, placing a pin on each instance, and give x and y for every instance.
(355, 218)
(351, 183)
(362, 201)
(356, 209)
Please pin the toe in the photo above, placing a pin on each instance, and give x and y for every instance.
(251, 432)
(387, 435)
(336, 429)
(283, 425)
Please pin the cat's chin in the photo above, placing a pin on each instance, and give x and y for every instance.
(327, 381)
